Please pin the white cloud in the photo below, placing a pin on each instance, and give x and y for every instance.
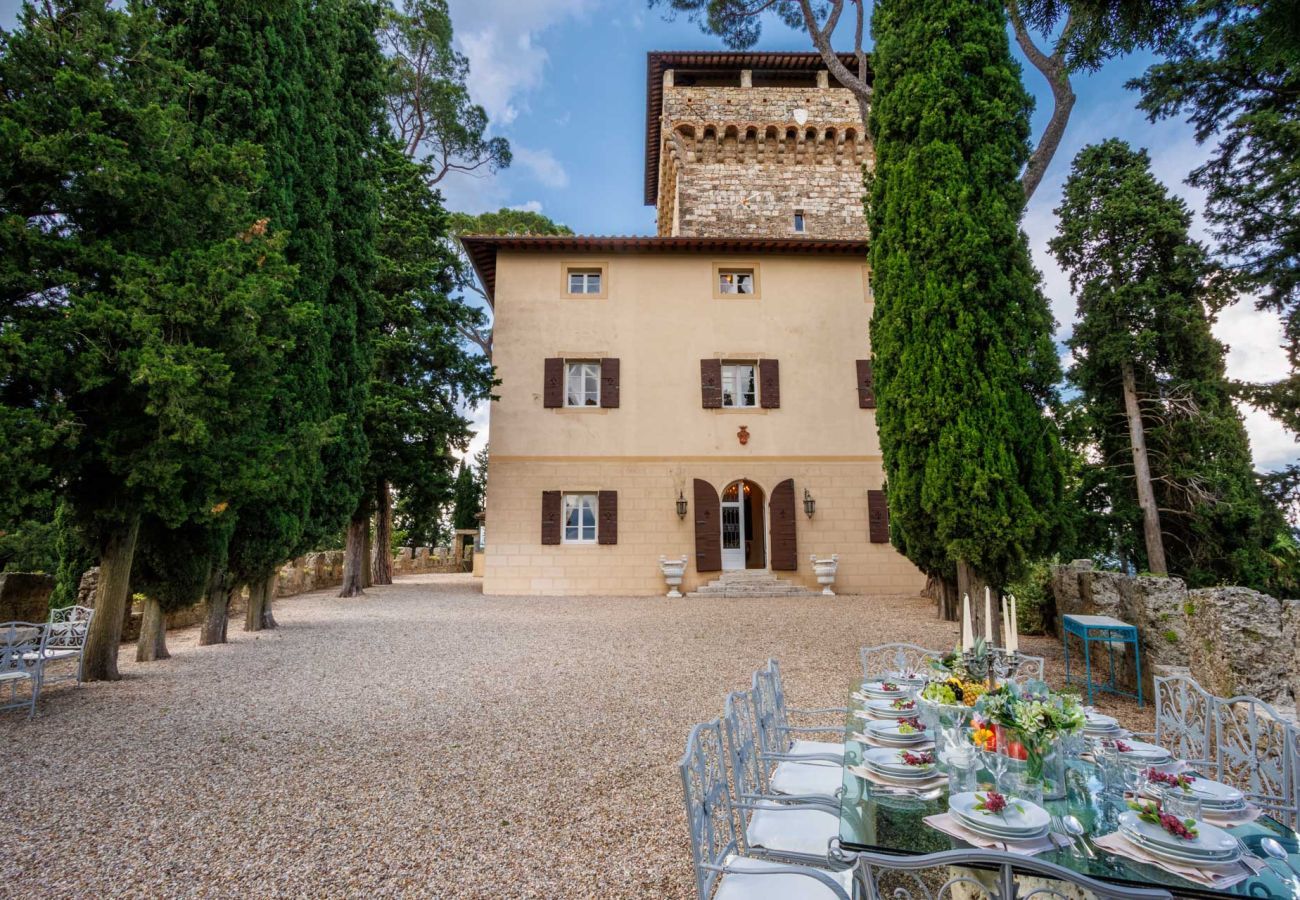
(501, 40)
(533, 206)
(543, 165)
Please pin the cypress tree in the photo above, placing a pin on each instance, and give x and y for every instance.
(468, 502)
(965, 366)
(1172, 458)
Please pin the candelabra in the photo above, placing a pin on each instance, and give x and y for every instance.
(991, 664)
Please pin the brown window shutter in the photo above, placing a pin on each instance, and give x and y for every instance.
(607, 517)
(708, 528)
(552, 510)
(878, 517)
(553, 383)
(866, 385)
(781, 510)
(711, 391)
(609, 371)
(769, 384)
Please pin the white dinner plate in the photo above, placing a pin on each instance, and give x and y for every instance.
(884, 709)
(887, 730)
(1095, 721)
(1210, 841)
(1141, 750)
(890, 762)
(1021, 818)
(878, 689)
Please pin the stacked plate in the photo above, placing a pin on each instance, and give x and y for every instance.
(910, 678)
(1216, 798)
(888, 689)
(883, 708)
(888, 762)
(1212, 846)
(1096, 725)
(886, 731)
(1144, 753)
(1022, 820)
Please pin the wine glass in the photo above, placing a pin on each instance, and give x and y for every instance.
(1135, 779)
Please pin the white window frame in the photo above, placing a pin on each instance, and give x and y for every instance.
(589, 281)
(733, 381)
(582, 369)
(737, 282)
(576, 501)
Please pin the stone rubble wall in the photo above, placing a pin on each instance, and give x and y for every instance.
(25, 597)
(1232, 640)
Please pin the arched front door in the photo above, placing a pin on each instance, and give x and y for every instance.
(743, 546)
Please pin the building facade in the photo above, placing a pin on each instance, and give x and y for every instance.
(705, 392)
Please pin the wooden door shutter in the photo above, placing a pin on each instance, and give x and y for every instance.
(781, 510)
(711, 386)
(607, 517)
(553, 383)
(552, 510)
(769, 384)
(609, 373)
(708, 528)
(866, 385)
(878, 517)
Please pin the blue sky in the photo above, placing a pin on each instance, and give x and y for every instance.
(564, 81)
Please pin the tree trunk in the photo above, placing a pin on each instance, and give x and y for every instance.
(268, 594)
(1142, 472)
(217, 602)
(944, 594)
(99, 662)
(969, 583)
(152, 643)
(384, 535)
(368, 566)
(256, 605)
(355, 563)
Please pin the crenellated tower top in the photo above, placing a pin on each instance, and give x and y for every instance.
(753, 145)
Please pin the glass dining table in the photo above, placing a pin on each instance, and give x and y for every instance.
(879, 820)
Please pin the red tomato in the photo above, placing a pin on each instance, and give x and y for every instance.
(1016, 750)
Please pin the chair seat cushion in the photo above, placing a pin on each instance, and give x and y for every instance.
(737, 886)
(51, 654)
(820, 748)
(789, 829)
(14, 675)
(807, 779)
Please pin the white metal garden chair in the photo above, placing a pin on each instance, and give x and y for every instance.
(722, 872)
(66, 640)
(22, 664)
(803, 767)
(898, 660)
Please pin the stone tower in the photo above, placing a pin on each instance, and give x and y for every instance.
(753, 145)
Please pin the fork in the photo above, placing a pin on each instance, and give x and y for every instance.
(1059, 830)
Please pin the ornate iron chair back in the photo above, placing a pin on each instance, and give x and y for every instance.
(1187, 722)
(708, 804)
(22, 650)
(68, 627)
(769, 711)
(748, 771)
(1031, 668)
(945, 876)
(1256, 753)
(897, 659)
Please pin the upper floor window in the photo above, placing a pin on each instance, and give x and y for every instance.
(739, 387)
(579, 518)
(582, 383)
(585, 281)
(799, 226)
(735, 281)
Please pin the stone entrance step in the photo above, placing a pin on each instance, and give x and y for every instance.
(751, 583)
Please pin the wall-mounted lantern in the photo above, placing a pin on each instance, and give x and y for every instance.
(681, 505)
(809, 504)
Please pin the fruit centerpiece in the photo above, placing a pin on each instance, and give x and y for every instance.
(948, 704)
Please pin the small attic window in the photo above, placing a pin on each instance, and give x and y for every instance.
(799, 224)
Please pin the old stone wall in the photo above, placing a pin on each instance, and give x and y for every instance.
(761, 106)
(739, 199)
(24, 597)
(1232, 640)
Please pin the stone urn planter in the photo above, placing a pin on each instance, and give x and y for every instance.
(673, 570)
(825, 570)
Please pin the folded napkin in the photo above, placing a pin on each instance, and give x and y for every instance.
(864, 738)
(949, 825)
(1217, 877)
(920, 785)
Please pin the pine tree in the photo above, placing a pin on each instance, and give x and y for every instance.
(468, 502)
(965, 366)
(152, 294)
(1172, 457)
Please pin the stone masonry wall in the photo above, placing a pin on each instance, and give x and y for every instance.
(1232, 640)
(736, 163)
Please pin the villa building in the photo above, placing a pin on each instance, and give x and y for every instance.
(706, 392)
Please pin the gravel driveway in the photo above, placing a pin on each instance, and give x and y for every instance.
(420, 741)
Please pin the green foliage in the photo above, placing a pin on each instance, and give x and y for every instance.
(1235, 72)
(468, 499)
(1100, 30)
(965, 367)
(432, 115)
(1144, 289)
(30, 547)
(137, 315)
(171, 564)
(424, 377)
(739, 23)
(1033, 593)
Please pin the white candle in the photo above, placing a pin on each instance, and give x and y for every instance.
(967, 638)
(1006, 624)
(988, 617)
(1015, 623)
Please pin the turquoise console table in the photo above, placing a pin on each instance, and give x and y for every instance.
(1109, 631)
